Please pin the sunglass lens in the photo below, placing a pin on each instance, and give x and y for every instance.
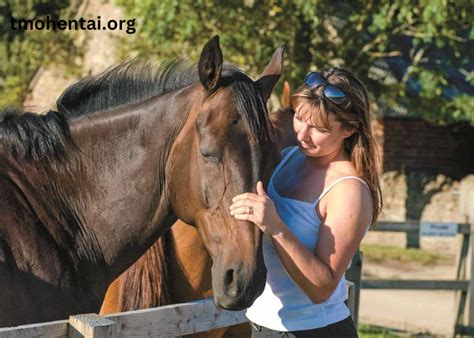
(334, 94)
(314, 79)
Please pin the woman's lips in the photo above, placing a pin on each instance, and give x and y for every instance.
(304, 145)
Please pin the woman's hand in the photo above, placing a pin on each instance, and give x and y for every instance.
(259, 209)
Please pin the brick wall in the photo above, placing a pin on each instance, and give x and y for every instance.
(416, 145)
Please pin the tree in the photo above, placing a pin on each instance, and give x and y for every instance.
(412, 55)
(22, 52)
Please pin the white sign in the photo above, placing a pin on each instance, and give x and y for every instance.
(438, 229)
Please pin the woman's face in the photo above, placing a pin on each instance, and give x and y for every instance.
(315, 142)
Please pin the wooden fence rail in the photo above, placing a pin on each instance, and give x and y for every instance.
(165, 321)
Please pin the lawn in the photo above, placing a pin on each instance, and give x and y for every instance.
(383, 253)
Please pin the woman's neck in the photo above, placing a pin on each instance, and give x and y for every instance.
(325, 161)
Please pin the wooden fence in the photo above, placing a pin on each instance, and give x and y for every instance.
(165, 321)
(463, 284)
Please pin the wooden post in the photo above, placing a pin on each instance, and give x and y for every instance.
(91, 325)
(470, 293)
(461, 272)
(467, 210)
(354, 274)
(413, 240)
(350, 301)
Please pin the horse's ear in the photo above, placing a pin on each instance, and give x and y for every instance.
(210, 64)
(286, 97)
(272, 73)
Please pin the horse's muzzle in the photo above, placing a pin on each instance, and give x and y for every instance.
(238, 287)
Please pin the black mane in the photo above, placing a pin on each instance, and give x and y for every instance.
(34, 137)
(130, 81)
(134, 81)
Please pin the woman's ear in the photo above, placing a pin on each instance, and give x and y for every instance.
(348, 132)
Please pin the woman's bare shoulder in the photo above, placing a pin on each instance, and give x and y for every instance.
(350, 197)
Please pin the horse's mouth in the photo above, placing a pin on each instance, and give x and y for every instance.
(238, 305)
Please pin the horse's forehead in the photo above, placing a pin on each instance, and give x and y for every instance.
(221, 99)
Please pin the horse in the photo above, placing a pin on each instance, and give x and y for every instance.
(177, 268)
(87, 189)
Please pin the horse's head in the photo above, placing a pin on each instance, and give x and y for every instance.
(223, 150)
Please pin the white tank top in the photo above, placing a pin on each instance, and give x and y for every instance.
(283, 306)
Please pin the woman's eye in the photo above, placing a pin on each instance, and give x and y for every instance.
(322, 131)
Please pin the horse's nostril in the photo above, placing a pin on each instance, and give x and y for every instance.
(230, 283)
(229, 277)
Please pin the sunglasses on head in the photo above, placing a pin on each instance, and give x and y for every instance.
(331, 92)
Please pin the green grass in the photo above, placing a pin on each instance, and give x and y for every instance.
(368, 331)
(383, 253)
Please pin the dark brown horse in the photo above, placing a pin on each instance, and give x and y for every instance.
(85, 191)
(177, 268)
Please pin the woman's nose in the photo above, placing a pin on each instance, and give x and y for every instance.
(302, 133)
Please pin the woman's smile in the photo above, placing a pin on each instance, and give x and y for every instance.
(305, 145)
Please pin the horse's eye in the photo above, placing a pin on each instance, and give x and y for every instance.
(211, 158)
(236, 120)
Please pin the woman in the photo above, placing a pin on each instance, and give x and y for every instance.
(322, 198)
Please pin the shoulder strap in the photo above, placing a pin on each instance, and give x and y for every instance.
(336, 182)
(285, 158)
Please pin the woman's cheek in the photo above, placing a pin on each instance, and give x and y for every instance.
(320, 139)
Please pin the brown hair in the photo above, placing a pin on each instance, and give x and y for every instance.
(360, 146)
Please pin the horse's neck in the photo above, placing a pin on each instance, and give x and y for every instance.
(124, 152)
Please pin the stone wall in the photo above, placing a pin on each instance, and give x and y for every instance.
(415, 145)
(422, 165)
(420, 196)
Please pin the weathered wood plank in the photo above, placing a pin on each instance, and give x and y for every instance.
(414, 226)
(354, 274)
(49, 329)
(470, 294)
(175, 320)
(464, 330)
(351, 299)
(91, 325)
(415, 284)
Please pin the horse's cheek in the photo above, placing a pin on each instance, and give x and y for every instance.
(213, 185)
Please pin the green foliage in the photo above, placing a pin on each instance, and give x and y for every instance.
(384, 253)
(22, 52)
(353, 34)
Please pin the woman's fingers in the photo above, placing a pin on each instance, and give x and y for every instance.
(241, 203)
(245, 217)
(244, 209)
(247, 196)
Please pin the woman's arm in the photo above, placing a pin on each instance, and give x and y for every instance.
(343, 226)
(348, 212)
